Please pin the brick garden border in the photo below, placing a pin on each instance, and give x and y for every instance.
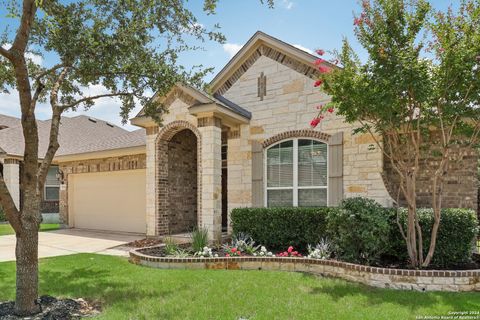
(403, 279)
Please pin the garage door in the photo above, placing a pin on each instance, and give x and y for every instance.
(113, 201)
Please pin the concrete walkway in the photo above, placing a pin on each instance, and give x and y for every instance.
(71, 241)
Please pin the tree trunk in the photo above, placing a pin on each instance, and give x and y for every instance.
(27, 273)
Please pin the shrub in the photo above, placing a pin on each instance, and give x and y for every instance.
(455, 239)
(279, 228)
(171, 246)
(360, 231)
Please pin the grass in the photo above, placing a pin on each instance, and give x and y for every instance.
(132, 292)
(6, 229)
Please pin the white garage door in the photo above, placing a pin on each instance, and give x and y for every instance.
(113, 201)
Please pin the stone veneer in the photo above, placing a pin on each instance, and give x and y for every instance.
(289, 105)
(421, 280)
(130, 162)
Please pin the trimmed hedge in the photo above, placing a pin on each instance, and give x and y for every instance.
(455, 238)
(278, 228)
(361, 230)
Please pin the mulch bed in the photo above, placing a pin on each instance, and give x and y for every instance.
(54, 309)
(143, 243)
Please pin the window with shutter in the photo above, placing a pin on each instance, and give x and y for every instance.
(297, 174)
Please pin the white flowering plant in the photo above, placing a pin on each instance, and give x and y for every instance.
(263, 252)
(205, 252)
(323, 250)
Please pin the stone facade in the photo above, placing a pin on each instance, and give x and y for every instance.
(402, 279)
(290, 104)
(130, 162)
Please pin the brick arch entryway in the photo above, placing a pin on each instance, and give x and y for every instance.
(178, 178)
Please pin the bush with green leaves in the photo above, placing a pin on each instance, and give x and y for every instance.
(279, 228)
(455, 239)
(360, 230)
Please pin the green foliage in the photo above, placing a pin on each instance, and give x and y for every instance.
(455, 241)
(199, 239)
(171, 246)
(279, 228)
(360, 230)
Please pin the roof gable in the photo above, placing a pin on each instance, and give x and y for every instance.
(262, 44)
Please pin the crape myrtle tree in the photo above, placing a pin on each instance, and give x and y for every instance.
(417, 95)
(128, 47)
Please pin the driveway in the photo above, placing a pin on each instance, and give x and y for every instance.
(71, 241)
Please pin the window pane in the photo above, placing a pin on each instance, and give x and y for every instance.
(280, 165)
(312, 197)
(52, 193)
(312, 163)
(52, 176)
(279, 198)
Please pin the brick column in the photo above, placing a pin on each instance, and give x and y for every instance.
(211, 197)
(11, 175)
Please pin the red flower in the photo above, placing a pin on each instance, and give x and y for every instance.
(318, 83)
(290, 249)
(294, 253)
(319, 62)
(357, 21)
(323, 69)
(320, 52)
(234, 250)
(314, 122)
(227, 255)
(330, 110)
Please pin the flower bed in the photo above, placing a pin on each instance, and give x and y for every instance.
(421, 280)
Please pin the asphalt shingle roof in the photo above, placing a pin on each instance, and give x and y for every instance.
(77, 135)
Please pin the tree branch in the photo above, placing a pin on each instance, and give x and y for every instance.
(28, 15)
(11, 211)
(6, 53)
(106, 95)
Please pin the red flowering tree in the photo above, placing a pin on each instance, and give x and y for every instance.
(418, 95)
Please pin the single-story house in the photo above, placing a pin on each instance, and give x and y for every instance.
(246, 143)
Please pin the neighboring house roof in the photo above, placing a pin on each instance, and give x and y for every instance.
(76, 135)
(8, 121)
(262, 44)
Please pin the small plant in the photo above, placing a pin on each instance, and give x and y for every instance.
(232, 251)
(245, 243)
(170, 246)
(289, 253)
(199, 239)
(323, 250)
(181, 253)
(263, 252)
(205, 252)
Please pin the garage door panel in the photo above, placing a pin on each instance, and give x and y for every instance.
(108, 200)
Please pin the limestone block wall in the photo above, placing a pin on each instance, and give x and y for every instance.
(290, 104)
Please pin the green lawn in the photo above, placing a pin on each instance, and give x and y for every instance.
(133, 292)
(6, 229)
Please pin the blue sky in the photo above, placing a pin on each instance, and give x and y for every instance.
(310, 24)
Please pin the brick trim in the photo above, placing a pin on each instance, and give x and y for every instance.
(421, 280)
(304, 133)
(165, 134)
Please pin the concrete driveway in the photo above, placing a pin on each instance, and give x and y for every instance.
(71, 241)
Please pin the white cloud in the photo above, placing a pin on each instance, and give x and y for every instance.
(37, 59)
(287, 4)
(232, 48)
(299, 46)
